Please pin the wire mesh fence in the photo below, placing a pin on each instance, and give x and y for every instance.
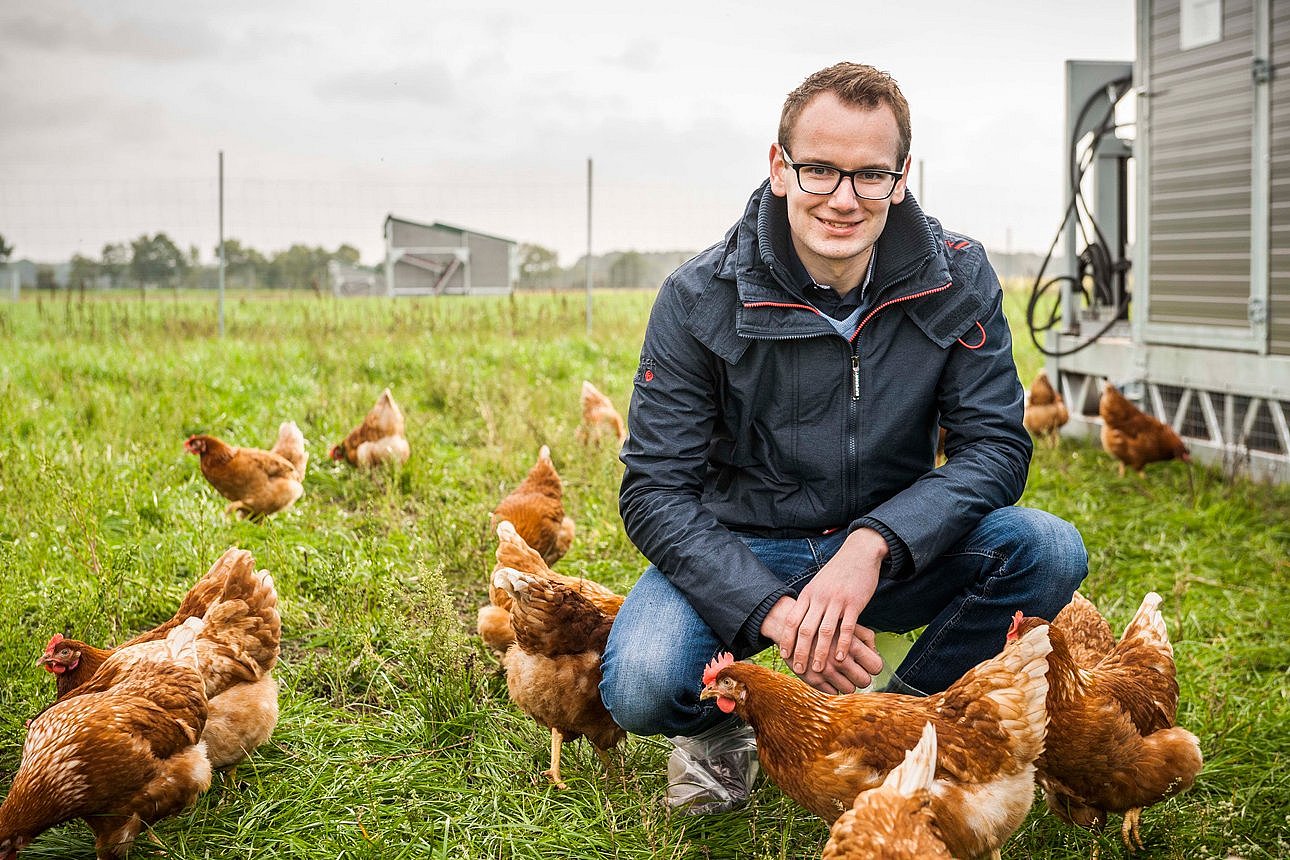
(83, 232)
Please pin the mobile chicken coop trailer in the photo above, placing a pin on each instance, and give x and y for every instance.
(1204, 342)
(437, 259)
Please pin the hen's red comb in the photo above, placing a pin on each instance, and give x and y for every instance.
(54, 642)
(1016, 626)
(718, 663)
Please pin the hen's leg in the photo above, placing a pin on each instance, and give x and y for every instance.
(554, 773)
(1129, 830)
(114, 834)
(605, 760)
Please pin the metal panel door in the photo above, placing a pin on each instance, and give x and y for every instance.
(1202, 275)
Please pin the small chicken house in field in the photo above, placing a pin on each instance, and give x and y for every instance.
(439, 259)
(1206, 347)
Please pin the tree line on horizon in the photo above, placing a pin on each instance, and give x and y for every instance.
(156, 261)
(540, 269)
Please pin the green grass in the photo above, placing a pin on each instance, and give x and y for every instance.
(397, 738)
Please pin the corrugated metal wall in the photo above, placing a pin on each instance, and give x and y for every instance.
(1279, 264)
(490, 262)
(1202, 113)
(408, 235)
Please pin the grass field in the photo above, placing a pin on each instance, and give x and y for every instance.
(397, 739)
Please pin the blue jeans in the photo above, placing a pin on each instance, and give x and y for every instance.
(1015, 559)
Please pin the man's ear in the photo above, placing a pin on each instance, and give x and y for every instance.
(898, 195)
(778, 170)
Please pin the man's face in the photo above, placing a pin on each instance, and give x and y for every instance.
(833, 234)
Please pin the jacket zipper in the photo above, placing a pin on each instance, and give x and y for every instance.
(851, 484)
(851, 478)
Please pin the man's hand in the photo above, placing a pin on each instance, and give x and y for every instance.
(817, 633)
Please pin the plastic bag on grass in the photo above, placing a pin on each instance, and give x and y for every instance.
(713, 771)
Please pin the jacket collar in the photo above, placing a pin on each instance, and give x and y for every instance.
(912, 259)
(757, 250)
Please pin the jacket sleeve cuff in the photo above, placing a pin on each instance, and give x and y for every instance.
(750, 633)
(899, 562)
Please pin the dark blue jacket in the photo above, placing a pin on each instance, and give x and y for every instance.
(751, 413)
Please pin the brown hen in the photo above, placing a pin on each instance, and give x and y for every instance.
(823, 750)
(256, 482)
(494, 620)
(599, 416)
(553, 669)
(1113, 744)
(237, 648)
(536, 509)
(122, 754)
(1133, 437)
(379, 439)
(894, 821)
(1046, 411)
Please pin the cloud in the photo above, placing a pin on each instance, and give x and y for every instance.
(640, 55)
(150, 39)
(425, 84)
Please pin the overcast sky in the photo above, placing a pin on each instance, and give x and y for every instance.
(483, 114)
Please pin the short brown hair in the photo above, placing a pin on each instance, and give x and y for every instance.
(854, 84)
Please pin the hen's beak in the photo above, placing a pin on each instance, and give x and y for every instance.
(725, 704)
(52, 664)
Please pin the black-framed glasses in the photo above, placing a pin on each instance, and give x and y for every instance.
(868, 183)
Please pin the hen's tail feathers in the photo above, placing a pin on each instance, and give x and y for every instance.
(1148, 624)
(385, 415)
(918, 770)
(243, 634)
(291, 447)
(1015, 684)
